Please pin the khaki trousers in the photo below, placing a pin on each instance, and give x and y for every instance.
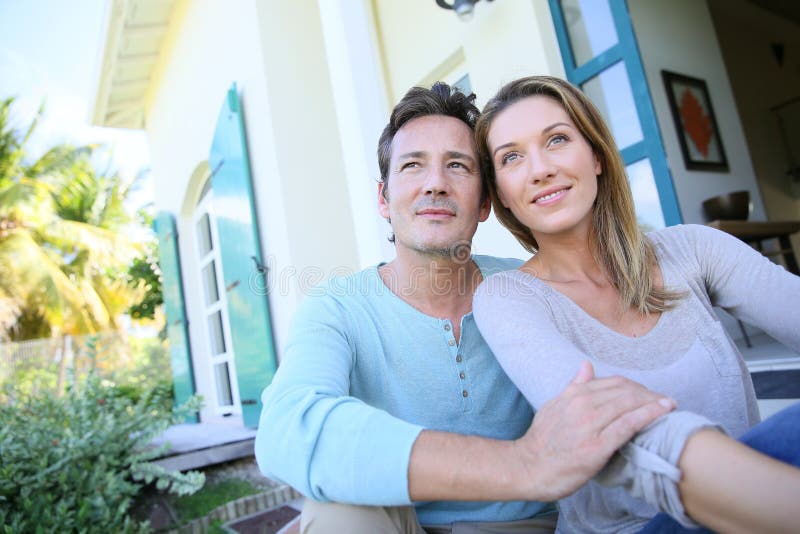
(334, 518)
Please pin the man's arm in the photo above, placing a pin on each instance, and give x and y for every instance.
(313, 435)
(571, 439)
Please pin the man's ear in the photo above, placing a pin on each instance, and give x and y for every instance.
(486, 209)
(383, 203)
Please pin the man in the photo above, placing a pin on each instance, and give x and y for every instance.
(387, 394)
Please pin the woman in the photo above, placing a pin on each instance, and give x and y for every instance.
(597, 289)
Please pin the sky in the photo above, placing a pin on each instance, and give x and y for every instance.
(50, 52)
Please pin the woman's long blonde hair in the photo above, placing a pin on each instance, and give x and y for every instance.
(619, 246)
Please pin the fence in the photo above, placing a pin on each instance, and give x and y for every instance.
(49, 365)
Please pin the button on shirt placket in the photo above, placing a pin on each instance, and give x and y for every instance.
(459, 357)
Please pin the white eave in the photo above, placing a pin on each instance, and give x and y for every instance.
(135, 32)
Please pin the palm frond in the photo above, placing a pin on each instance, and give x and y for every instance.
(31, 277)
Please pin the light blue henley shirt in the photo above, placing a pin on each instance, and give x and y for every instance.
(363, 373)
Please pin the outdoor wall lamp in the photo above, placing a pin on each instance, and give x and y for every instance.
(463, 8)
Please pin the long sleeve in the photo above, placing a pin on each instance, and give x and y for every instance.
(316, 437)
(749, 286)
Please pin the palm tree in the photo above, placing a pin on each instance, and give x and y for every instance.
(63, 253)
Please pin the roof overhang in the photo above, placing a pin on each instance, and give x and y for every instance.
(135, 34)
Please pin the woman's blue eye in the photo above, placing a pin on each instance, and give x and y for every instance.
(560, 138)
(511, 156)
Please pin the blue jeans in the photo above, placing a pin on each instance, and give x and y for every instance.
(778, 436)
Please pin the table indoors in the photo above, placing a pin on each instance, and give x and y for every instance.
(755, 233)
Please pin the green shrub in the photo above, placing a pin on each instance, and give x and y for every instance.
(162, 391)
(74, 464)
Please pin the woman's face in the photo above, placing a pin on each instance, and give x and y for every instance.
(546, 171)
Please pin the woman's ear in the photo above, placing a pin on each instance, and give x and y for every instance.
(598, 167)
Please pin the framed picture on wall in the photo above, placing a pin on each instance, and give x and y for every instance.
(695, 123)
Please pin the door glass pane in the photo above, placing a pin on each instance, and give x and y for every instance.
(645, 195)
(204, 235)
(223, 379)
(611, 93)
(215, 332)
(210, 283)
(590, 28)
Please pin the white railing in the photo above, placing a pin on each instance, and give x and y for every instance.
(48, 364)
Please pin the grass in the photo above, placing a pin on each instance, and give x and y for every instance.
(188, 507)
(216, 528)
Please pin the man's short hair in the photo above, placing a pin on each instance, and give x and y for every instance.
(440, 99)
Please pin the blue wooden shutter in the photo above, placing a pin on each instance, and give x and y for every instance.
(172, 287)
(239, 245)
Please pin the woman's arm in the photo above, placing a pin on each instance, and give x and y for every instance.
(746, 284)
(730, 487)
(519, 328)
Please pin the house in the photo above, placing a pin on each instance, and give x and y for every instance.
(263, 118)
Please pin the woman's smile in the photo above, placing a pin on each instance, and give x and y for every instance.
(551, 196)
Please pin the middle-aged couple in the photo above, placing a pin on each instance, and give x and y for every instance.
(403, 400)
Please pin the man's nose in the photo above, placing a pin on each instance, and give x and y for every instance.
(436, 181)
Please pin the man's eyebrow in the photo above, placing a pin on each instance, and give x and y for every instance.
(412, 155)
(455, 154)
(544, 131)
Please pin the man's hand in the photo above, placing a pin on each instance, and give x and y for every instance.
(571, 439)
(574, 435)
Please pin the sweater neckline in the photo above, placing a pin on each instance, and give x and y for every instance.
(529, 279)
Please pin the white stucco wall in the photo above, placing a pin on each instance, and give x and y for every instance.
(679, 36)
(300, 190)
(421, 43)
(359, 96)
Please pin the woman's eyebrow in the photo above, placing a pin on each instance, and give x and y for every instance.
(544, 131)
(501, 147)
(555, 125)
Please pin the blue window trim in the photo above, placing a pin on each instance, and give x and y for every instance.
(627, 51)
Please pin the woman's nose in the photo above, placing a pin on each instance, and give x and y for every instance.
(540, 167)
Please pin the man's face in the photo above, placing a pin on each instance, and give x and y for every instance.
(434, 186)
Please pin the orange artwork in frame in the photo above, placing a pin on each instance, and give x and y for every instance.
(695, 124)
